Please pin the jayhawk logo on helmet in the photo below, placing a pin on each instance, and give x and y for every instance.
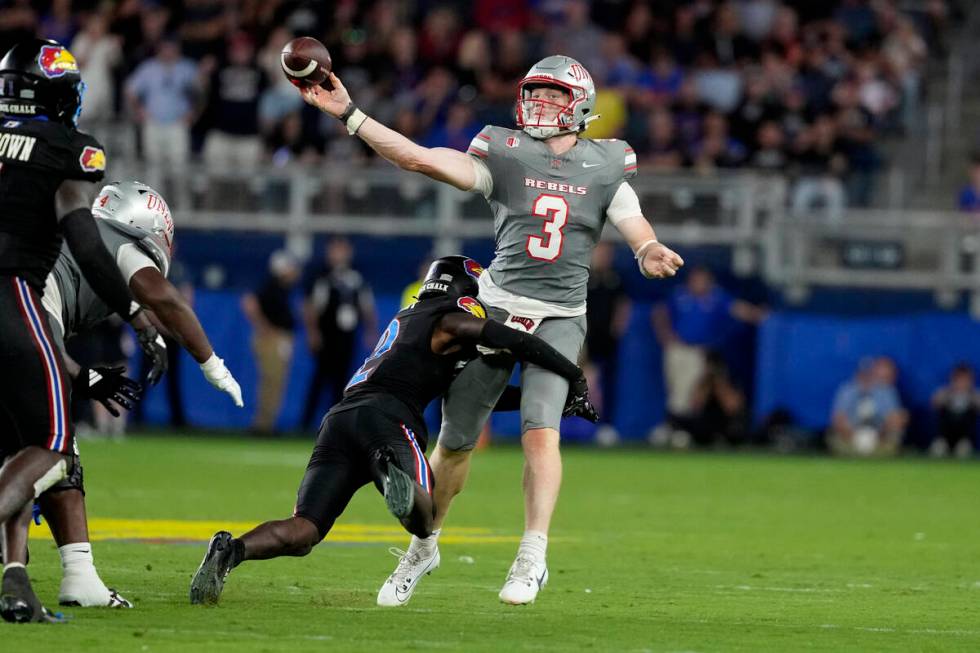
(473, 268)
(55, 61)
(472, 306)
(92, 159)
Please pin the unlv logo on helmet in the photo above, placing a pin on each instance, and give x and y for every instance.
(473, 268)
(92, 159)
(578, 72)
(472, 306)
(55, 61)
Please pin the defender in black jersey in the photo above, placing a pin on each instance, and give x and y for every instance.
(376, 433)
(48, 171)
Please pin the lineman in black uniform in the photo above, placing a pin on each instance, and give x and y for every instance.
(376, 433)
(48, 171)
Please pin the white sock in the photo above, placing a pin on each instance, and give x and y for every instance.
(535, 544)
(427, 544)
(13, 565)
(80, 581)
(77, 558)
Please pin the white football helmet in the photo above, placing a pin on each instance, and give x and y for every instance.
(142, 209)
(568, 75)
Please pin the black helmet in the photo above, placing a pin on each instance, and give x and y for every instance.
(40, 78)
(455, 276)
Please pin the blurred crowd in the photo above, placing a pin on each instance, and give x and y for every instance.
(792, 86)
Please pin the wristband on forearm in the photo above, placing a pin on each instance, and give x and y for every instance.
(641, 251)
(353, 118)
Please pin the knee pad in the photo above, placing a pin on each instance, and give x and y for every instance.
(56, 473)
(74, 480)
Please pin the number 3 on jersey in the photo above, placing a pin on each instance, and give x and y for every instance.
(554, 210)
(371, 362)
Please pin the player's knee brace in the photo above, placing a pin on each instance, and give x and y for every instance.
(74, 480)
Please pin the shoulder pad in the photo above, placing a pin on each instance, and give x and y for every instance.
(480, 145)
(141, 240)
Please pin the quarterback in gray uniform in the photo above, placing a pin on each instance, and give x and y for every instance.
(135, 224)
(551, 192)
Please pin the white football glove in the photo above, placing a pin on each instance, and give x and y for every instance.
(218, 375)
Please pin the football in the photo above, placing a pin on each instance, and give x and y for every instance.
(306, 62)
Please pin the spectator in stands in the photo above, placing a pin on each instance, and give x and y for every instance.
(956, 406)
(857, 135)
(821, 162)
(18, 22)
(459, 128)
(660, 83)
(717, 414)
(755, 107)
(270, 312)
(338, 305)
(717, 149)
(969, 199)
(725, 41)
(163, 93)
(659, 148)
(234, 91)
(769, 154)
(688, 113)
(98, 53)
(867, 417)
(575, 35)
(204, 26)
(58, 23)
(439, 37)
(693, 321)
(607, 319)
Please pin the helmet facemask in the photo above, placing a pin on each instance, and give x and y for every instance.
(543, 118)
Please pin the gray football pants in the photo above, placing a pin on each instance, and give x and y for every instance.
(475, 392)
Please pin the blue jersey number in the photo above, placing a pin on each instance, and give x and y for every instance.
(371, 362)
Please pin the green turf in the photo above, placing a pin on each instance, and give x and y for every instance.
(649, 553)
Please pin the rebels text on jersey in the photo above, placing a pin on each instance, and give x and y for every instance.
(548, 209)
(36, 156)
(403, 364)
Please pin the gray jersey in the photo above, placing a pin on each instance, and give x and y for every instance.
(548, 210)
(81, 308)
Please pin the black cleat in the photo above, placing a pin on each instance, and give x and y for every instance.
(217, 564)
(399, 491)
(18, 602)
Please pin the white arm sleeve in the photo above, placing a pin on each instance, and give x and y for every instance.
(484, 180)
(624, 204)
(130, 260)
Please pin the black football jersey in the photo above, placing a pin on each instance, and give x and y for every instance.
(35, 157)
(403, 364)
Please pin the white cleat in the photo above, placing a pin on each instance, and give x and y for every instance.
(412, 565)
(524, 580)
(88, 591)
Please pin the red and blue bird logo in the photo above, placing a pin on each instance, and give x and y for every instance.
(55, 61)
(473, 268)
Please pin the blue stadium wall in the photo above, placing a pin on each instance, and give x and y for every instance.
(795, 361)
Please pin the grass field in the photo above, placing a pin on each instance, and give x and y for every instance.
(649, 552)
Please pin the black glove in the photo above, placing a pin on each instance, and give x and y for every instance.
(155, 349)
(578, 404)
(105, 383)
